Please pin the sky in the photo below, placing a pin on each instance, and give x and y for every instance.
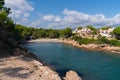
(59, 14)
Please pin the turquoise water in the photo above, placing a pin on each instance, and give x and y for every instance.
(90, 65)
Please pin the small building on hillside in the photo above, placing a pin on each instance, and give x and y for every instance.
(82, 31)
(106, 32)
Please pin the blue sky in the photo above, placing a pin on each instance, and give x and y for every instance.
(107, 7)
(64, 13)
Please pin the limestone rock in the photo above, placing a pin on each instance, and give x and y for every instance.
(71, 75)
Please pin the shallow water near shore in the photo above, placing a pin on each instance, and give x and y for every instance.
(90, 65)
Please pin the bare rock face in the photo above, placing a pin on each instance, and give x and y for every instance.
(71, 75)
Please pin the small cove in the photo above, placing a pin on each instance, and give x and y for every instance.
(90, 65)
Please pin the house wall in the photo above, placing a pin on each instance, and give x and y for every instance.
(106, 33)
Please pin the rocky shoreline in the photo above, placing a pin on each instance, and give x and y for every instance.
(24, 68)
(24, 65)
(33, 69)
(93, 47)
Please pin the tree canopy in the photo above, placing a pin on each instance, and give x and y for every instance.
(92, 29)
(116, 31)
(1, 4)
(106, 28)
(7, 26)
(79, 28)
(65, 33)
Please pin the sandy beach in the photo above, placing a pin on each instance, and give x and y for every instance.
(46, 40)
(95, 47)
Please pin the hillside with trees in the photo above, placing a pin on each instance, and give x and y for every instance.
(27, 33)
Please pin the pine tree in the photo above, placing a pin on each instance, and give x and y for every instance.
(7, 27)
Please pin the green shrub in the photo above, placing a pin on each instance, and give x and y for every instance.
(85, 41)
(103, 40)
(74, 37)
(115, 42)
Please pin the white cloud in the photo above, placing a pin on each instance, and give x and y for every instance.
(47, 21)
(74, 18)
(52, 18)
(57, 19)
(26, 15)
(20, 10)
(48, 18)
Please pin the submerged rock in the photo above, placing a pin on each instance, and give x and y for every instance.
(72, 75)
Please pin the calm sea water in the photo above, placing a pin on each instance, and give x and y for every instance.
(90, 65)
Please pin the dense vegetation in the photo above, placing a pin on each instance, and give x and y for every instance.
(27, 33)
(106, 28)
(101, 40)
(116, 31)
(8, 33)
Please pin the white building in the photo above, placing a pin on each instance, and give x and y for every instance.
(83, 31)
(106, 32)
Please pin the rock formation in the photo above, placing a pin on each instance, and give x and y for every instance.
(71, 75)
